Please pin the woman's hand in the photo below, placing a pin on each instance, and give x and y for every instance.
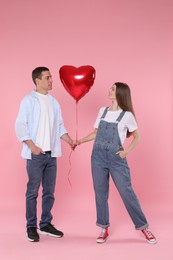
(73, 145)
(78, 142)
(122, 154)
(134, 142)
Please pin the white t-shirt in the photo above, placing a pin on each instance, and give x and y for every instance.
(127, 122)
(44, 133)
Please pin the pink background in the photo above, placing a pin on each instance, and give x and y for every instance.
(124, 40)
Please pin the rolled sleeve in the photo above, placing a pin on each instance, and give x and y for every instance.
(21, 124)
(62, 129)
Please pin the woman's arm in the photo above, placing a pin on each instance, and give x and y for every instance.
(88, 138)
(131, 146)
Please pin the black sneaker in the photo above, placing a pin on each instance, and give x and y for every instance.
(32, 234)
(50, 230)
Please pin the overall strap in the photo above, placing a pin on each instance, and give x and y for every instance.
(105, 112)
(120, 116)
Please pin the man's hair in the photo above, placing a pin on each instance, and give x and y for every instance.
(37, 73)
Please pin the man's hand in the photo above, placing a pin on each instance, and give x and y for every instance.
(73, 145)
(36, 150)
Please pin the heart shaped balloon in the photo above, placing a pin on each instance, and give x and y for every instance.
(77, 81)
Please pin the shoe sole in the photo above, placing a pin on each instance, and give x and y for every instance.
(32, 240)
(152, 242)
(102, 241)
(44, 233)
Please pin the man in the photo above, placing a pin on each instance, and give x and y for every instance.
(39, 126)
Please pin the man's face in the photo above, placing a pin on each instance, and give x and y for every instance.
(45, 83)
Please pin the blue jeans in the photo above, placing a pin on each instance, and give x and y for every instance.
(40, 169)
(106, 162)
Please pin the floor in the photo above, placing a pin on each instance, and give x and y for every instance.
(80, 232)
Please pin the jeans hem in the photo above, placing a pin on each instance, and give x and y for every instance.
(30, 226)
(143, 227)
(44, 225)
(103, 226)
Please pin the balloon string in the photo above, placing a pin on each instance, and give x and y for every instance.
(76, 140)
(76, 120)
(69, 169)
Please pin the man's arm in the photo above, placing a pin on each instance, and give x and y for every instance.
(68, 140)
(34, 148)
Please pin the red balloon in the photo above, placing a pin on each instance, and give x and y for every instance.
(77, 81)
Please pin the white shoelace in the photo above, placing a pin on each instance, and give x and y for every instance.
(148, 233)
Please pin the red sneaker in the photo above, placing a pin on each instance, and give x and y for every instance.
(149, 236)
(103, 236)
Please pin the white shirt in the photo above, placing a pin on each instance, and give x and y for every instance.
(127, 122)
(43, 135)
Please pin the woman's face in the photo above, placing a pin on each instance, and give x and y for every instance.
(112, 93)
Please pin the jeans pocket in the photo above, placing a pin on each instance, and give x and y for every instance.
(35, 156)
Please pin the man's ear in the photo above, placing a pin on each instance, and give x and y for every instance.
(37, 81)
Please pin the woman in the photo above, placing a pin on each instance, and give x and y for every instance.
(112, 126)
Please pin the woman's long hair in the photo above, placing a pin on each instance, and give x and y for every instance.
(123, 96)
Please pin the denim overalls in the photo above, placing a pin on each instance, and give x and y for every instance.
(106, 162)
